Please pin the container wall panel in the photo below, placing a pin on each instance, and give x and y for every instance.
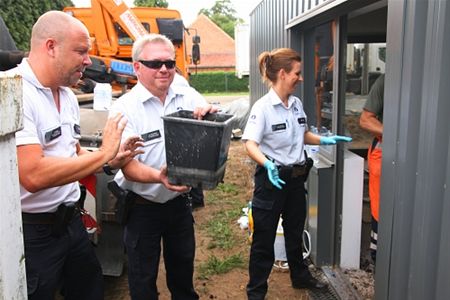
(267, 31)
(414, 260)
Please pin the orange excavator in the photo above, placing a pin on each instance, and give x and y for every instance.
(113, 27)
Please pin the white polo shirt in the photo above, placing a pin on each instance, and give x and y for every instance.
(56, 132)
(279, 130)
(181, 86)
(144, 112)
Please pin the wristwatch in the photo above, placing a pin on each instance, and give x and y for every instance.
(107, 169)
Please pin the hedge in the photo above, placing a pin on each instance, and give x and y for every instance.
(217, 82)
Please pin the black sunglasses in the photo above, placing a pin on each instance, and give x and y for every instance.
(157, 64)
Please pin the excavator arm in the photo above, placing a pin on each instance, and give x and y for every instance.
(106, 12)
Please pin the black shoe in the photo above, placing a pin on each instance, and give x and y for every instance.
(309, 283)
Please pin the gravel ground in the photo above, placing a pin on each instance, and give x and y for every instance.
(362, 281)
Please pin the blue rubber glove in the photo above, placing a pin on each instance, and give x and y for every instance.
(272, 173)
(332, 140)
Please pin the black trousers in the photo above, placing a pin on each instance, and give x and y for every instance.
(267, 205)
(374, 240)
(148, 224)
(197, 197)
(68, 261)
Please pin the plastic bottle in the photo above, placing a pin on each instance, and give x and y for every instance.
(313, 150)
(314, 153)
(250, 222)
(102, 96)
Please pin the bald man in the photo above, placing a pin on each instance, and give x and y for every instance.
(50, 160)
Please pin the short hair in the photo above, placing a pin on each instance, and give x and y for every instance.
(151, 38)
(270, 63)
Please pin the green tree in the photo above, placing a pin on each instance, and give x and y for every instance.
(223, 15)
(19, 17)
(151, 3)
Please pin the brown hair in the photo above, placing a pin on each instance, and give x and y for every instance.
(272, 62)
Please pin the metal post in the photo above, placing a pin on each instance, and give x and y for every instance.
(12, 258)
(365, 71)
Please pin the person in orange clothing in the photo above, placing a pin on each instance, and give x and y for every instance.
(372, 120)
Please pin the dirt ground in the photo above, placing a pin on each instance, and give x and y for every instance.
(362, 281)
(230, 285)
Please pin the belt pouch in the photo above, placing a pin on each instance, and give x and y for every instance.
(63, 216)
(298, 171)
(308, 165)
(124, 203)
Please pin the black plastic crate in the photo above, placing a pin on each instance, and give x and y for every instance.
(197, 150)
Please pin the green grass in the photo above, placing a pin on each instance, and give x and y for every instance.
(212, 198)
(214, 265)
(224, 193)
(219, 229)
(227, 188)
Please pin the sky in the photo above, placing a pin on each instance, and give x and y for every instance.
(190, 8)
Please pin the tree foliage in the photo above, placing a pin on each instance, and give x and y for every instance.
(19, 17)
(223, 15)
(151, 3)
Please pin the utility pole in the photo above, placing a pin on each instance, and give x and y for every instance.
(12, 258)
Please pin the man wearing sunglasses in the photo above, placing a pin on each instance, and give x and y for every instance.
(161, 211)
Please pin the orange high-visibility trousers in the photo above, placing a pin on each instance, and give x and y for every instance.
(374, 162)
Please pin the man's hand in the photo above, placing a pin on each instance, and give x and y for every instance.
(127, 151)
(165, 181)
(112, 135)
(200, 112)
(332, 140)
(272, 173)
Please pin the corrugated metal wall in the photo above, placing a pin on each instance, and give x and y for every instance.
(268, 31)
(414, 236)
(273, 14)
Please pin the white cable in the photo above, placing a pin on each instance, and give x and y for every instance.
(306, 246)
(308, 249)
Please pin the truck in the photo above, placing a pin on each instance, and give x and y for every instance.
(113, 27)
(365, 62)
(242, 49)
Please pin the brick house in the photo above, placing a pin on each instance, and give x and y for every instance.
(216, 47)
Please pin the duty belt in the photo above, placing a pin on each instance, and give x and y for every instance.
(49, 218)
(39, 218)
(141, 200)
(293, 171)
